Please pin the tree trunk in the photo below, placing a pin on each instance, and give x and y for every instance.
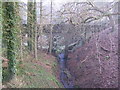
(30, 25)
(41, 31)
(32, 28)
(51, 31)
(36, 57)
(10, 30)
(21, 44)
(0, 44)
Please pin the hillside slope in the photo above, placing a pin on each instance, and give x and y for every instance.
(31, 73)
(95, 64)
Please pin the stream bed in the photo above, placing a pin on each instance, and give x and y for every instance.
(67, 83)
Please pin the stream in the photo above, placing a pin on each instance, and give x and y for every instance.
(63, 76)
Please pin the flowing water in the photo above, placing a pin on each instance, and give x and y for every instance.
(63, 76)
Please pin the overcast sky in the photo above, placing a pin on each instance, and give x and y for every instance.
(58, 3)
(73, 0)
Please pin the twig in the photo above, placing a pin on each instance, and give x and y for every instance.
(85, 59)
(103, 48)
(98, 53)
(111, 44)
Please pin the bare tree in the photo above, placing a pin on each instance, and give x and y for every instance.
(86, 12)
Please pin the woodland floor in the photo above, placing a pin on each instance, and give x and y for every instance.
(42, 73)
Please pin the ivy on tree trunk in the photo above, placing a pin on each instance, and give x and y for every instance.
(10, 34)
(31, 25)
(0, 44)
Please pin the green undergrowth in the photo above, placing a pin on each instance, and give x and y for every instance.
(37, 73)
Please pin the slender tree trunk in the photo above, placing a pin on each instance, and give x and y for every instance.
(20, 26)
(41, 32)
(0, 44)
(30, 25)
(21, 44)
(36, 57)
(51, 31)
(32, 28)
